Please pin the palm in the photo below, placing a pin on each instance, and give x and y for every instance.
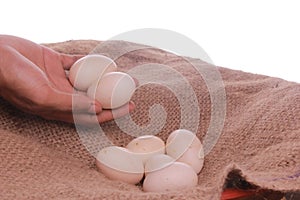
(54, 67)
(33, 78)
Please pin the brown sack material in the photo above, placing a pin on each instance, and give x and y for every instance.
(43, 159)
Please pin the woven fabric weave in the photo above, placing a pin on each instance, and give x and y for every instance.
(43, 159)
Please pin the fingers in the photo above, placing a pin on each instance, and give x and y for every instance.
(63, 106)
(93, 119)
(107, 115)
(77, 103)
(136, 81)
(69, 60)
(104, 116)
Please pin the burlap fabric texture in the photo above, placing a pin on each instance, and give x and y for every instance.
(43, 159)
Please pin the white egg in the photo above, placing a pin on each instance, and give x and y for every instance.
(179, 141)
(193, 157)
(113, 90)
(184, 146)
(176, 176)
(146, 146)
(88, 69)
(118, 163)
(158, 162)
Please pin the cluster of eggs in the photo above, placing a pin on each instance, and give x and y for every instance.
(97, 76)
(164, 167)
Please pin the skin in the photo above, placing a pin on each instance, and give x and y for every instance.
(33, 78)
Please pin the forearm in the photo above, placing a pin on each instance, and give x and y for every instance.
(16, 71)
(28, 49)
(16, 54)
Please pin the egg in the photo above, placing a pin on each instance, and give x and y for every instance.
(157, 162)
(184, 146)
(118, 163)
(88, 69)
(113, 90)
(179, 141)
(193, 157)
(175, 176)
(146, 146)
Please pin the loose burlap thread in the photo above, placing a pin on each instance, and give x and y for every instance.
(43, 159)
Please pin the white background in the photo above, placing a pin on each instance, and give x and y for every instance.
(257, 36)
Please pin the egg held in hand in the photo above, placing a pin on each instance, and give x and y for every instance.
(85, 71)
(113, 90)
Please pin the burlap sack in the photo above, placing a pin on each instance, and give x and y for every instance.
(260, 139)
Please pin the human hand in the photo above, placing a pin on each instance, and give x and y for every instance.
(33, 78)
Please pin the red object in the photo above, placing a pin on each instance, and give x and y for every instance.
(229, 194)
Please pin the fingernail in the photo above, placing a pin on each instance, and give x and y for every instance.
(131, 106)
(136, 82)
(94, 109)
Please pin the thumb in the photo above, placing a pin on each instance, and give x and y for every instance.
(77, 103)
(68, 60)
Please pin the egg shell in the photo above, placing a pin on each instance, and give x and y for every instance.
(117, 163)
(158, 162)
(146, 146)
(113, 90)
(193, 157)
(91, 92)
(179, 141)
(88, 69)
(173, 177)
